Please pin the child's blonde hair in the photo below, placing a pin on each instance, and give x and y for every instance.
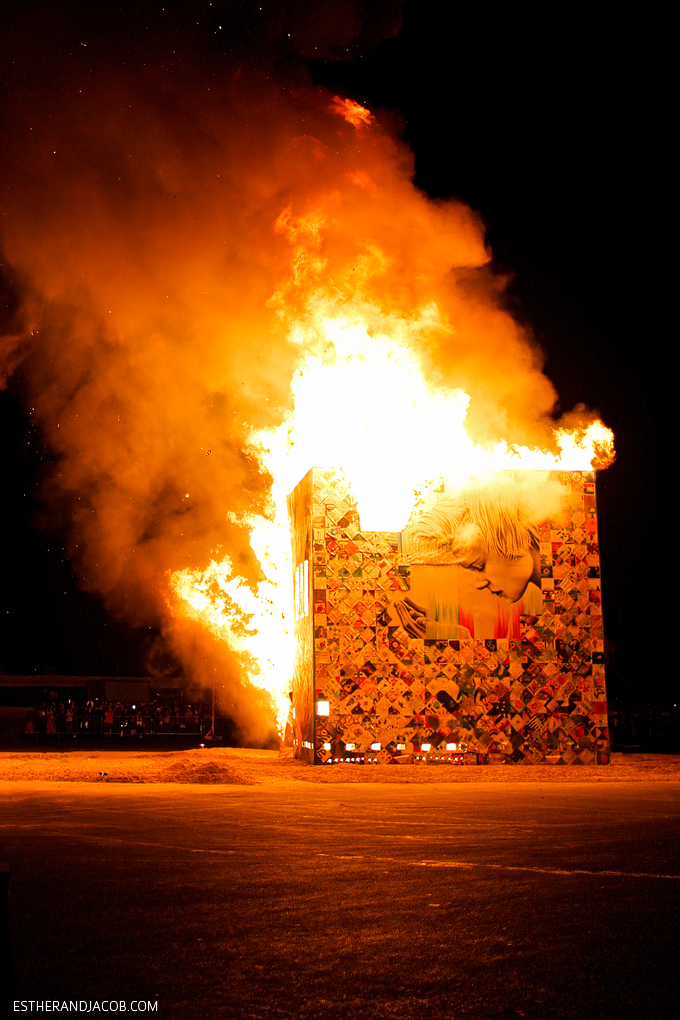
(491, 517)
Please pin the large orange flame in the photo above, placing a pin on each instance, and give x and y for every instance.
(362, 402)
(259, 257)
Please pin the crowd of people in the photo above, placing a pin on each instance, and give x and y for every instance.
(119, 720)
(630, 725)
(642, 724)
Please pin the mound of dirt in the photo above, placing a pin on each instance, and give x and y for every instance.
(203, 772)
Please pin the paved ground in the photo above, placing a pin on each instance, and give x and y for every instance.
(457, 900)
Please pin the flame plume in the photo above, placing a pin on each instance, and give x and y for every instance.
(222, 294)
(361, 401)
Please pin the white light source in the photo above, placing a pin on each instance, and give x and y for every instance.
(326, 747)
(323, 708)
(377, 746)
(401, 747)
(425, 747)
(452, 747)
(350, 747)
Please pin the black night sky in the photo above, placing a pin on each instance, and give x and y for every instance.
(552, 126)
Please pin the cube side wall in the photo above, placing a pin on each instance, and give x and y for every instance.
(300, 515)
(536, 693)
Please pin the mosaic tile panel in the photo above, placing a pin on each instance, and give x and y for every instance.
(377, 678)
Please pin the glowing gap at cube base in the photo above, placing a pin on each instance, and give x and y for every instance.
(406, 651)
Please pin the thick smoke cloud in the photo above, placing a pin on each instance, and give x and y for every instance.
(155, 242)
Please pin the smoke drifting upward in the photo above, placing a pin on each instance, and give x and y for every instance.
(164, 244)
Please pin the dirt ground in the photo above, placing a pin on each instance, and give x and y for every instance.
(242, 766)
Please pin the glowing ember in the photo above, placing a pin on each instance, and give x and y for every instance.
(352, 112)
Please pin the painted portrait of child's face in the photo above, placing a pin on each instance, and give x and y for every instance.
(504, 577)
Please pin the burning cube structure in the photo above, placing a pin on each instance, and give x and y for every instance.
(407, 651)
